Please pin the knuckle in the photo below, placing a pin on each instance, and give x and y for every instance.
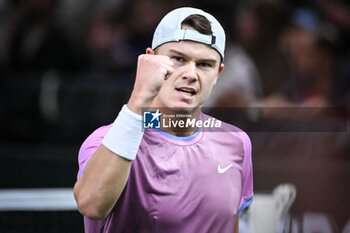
(163, 70)
(141, 57)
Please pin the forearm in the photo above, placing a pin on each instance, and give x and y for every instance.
(108, 169)
(103, 181)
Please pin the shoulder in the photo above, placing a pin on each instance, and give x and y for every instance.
(89, 146)
(93, 141)
(97, 135)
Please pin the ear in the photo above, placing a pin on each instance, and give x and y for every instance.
(149, 51)
(221, 68)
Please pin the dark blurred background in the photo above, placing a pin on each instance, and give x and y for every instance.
(67, 67)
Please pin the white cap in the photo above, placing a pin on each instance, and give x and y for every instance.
(169, 29)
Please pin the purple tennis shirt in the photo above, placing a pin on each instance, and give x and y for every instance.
(195, 184)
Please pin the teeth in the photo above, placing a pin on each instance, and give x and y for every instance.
(186, 93)
(185, 90)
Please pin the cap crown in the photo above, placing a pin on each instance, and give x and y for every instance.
(169, 29)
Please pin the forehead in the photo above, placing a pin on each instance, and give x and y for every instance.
(191, 49)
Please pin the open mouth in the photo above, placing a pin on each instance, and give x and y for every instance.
(186, 91)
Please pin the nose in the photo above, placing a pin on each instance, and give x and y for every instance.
(190, 71)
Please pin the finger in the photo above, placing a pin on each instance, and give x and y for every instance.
(165, 60)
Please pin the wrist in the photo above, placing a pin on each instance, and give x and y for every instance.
(124, 137)
(138, 101)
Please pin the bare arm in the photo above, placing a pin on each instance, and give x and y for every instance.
(106, 173)
(103, 181)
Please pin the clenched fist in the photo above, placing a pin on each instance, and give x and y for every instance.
(151, 72)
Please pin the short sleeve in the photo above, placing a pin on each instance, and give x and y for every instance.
(247, 173)
(89, 147)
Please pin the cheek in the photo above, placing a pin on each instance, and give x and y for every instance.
(208, 91)
(208, 85)
(165, 89)
(214, 81)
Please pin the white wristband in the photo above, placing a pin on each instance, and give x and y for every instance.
(124, 137)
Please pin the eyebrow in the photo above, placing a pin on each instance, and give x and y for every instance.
(211, 61)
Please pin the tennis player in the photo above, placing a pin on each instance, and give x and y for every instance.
(168, 180)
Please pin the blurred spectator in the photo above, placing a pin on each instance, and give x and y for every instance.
(143, 17)
(108, 42)
(337, 12)
(254, 63)
(34, 42)
(259, 27)
(117, 36)
(239, 83)
(313, 77)
(76, 15)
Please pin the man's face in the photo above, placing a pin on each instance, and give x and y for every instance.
(196, 70)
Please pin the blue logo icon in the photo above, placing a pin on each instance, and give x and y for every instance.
(151, 119)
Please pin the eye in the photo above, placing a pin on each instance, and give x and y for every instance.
(178, 59)
(204, 64)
